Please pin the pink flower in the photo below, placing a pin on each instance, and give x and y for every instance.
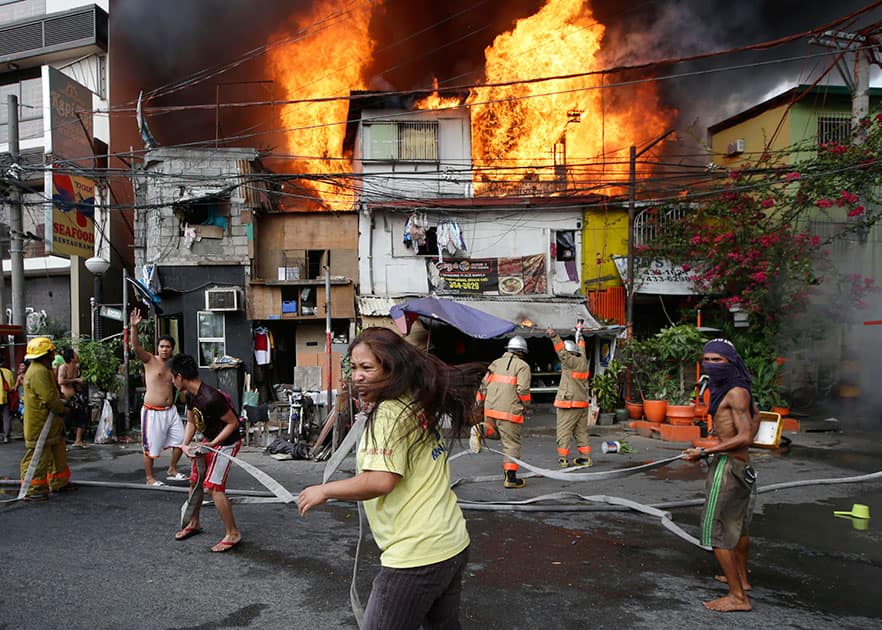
(767, 203)
(816, 241)
(685, 267)
(824, 203)
(789, 177)
(856, 211)
(735, 174)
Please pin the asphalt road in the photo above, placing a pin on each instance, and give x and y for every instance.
(105, 557)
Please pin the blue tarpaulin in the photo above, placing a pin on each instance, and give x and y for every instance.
(471, 321)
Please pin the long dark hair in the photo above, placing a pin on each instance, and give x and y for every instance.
(438, 389)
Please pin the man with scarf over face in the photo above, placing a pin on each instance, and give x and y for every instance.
(730, 485)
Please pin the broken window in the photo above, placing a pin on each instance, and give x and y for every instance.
(208, 213)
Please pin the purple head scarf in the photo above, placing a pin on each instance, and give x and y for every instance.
(725, 376)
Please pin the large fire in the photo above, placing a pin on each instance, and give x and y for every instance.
(572, 124)
(325, 57)
(549, 136)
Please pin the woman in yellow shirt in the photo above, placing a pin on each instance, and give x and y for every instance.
(404, 479)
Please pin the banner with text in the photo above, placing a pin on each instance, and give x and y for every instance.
(523, 275)
(72, 213)
(657, 276)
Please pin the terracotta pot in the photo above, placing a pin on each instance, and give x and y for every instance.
(784, 411)
(700, 412)
(655, 410)
(680, 414)
(635, 409)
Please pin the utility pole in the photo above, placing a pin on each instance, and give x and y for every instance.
(16, 223)
(632, 192)
(858, 80)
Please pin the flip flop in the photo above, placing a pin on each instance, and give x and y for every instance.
(185, 533)
(224, 546)
(156, 484)
(177, 477)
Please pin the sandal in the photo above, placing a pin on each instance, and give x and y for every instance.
(225, 545)
(188, 531)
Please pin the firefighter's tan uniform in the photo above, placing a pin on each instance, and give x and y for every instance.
(505, 393)
(40, 397)
(571, 402)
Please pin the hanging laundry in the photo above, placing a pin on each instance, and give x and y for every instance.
(263, 345)
(415, 231)
(450, 238)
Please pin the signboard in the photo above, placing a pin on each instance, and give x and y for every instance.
(523, 275)
(67, 131)
(657, 276)
(71, 216)
(111, 312)
(68, 121)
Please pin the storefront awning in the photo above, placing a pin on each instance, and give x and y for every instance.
(533, 317)
(558, 314)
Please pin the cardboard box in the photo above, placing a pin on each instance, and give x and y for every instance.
(321, 359)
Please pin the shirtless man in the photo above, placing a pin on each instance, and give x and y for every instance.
(730, 486)
(71, 385)
(161, 427)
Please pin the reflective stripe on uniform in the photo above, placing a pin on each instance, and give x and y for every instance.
(582, 376)
(571, 404)
(503, 415)
(502, 378)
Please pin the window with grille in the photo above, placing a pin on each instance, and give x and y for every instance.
(405, 141)
(645, 231)
(211, 333)
(834, 129)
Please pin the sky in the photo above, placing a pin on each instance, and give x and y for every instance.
(156, 42)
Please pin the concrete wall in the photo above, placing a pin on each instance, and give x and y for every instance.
(450, 176)
(177, 171)
(386, 267)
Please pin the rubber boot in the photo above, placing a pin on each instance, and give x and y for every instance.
(582, 461)
(512, 481)
(563, 462)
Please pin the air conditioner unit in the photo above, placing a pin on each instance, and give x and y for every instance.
(736, 147)
(222, 299)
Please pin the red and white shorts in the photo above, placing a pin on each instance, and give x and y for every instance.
(161, 428)
(217, 467)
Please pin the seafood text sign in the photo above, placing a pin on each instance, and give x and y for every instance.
(523, 275)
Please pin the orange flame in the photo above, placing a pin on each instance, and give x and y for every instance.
(436, 101)
(549, 136)
(561, 132)
(326, 57)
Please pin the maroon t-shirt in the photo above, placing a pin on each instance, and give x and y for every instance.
(208, 407)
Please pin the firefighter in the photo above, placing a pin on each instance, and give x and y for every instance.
(505, 394)
(40, 397)
(572, 400)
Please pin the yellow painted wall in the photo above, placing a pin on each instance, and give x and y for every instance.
(756, 132)
(604, 234)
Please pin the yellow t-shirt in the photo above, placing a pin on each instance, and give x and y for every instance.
(419, 522)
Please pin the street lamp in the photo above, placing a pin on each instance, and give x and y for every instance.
(97, 266)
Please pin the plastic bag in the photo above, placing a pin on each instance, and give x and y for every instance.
(104, 432)
(593, 411)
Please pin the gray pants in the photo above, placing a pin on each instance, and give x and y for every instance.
(427, 596)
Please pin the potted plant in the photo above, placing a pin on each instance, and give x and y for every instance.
(606, 386)
(766, 385)
(99, 364)
(679, 347)
(655, 396)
